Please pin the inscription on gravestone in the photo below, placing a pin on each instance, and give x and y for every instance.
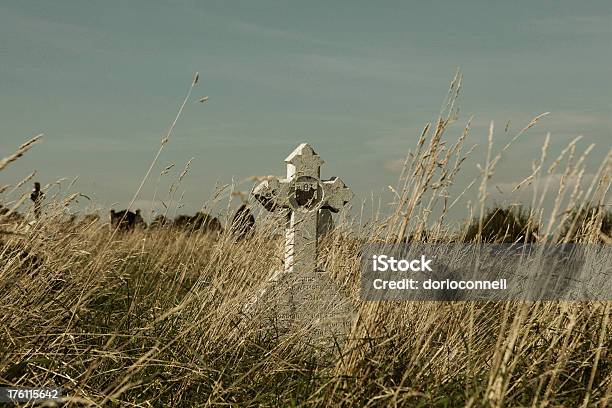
(302, 296)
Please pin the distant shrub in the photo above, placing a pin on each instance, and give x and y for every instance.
(511, 224)
(10, 217)
(583, 222)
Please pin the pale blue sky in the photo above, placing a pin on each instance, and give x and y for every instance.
(356, 79)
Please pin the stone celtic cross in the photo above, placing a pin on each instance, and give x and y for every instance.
(304, 194)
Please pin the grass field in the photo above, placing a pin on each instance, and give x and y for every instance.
(150, 318)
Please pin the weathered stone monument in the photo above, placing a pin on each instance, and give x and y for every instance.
(304, 193)
(301, 296)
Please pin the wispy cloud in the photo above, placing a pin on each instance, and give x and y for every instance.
(553, 181)
(69, 37)
(279, 34)
(570, 25)
(395, 165)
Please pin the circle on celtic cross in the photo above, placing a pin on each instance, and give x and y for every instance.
(306, 194)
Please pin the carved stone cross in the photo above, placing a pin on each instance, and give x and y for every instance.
(304, 194)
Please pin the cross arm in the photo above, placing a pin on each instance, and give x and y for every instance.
(336, 194)
(272, 194)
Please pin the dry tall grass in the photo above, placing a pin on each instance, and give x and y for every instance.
(150, 318)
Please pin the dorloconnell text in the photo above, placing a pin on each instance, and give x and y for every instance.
(490, 272)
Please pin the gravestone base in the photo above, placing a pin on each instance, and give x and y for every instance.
(309, 306)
